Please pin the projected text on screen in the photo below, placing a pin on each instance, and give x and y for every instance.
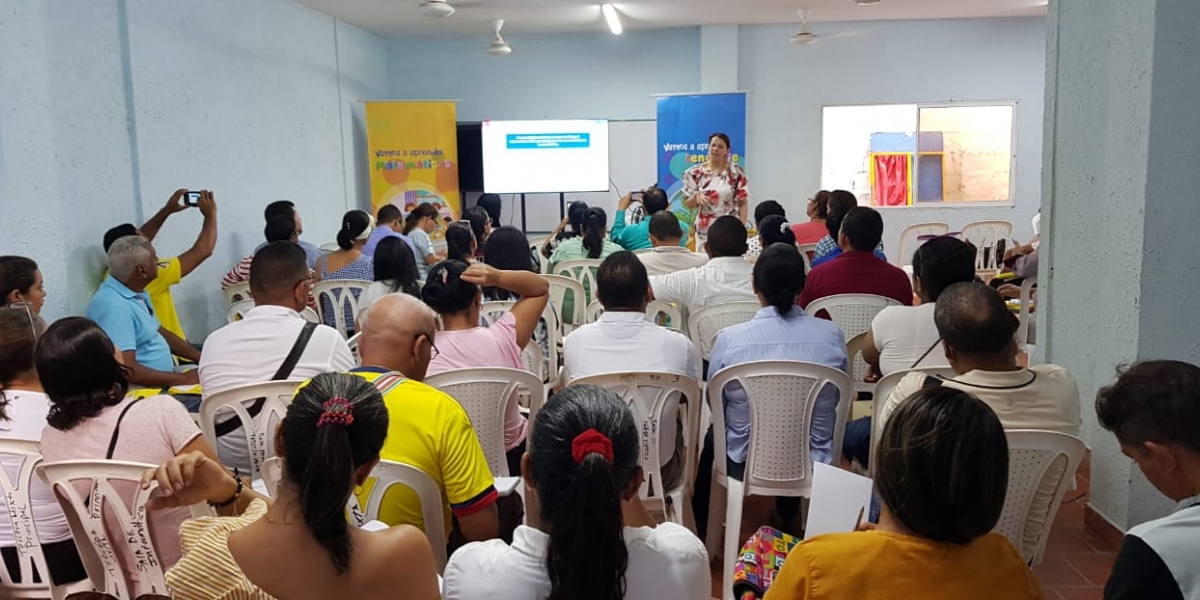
(545, 156)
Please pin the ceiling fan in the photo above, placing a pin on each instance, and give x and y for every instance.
(437, 9)
(499, 47)
(805, 37)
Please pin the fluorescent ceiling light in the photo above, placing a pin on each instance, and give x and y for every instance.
(610, 15)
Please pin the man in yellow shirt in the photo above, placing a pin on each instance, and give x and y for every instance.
(172, 270)
(427, 429)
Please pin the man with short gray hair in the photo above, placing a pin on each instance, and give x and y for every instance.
(122, 308)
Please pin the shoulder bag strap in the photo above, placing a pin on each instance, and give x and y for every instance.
(285, 370)
(112, 442)
(918, 361)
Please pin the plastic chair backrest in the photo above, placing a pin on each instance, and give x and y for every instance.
(484, 393)
(237, 311)
(648, 394)
(237, 292)
(1032, 454)
(259, 430)
(782, 395)
(20, 512)
(879, 397)
(104, 555)
(272, 473)
(910, 239)
(1025, 314)
(807, 251)
(669, 315)
(389, 474)
(984, 235)
(594, 310)
(570, 314)
(536, 360)
(582, 270)
(858, 365)
(352, 342)
(343, 296)
(704, 324)
(852, 313)
(310, 315)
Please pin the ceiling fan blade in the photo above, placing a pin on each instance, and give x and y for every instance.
(845, 34)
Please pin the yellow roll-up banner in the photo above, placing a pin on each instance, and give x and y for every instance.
(413, 156)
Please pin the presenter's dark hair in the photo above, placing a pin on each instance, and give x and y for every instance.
(942, 262)
(419, 212)
(622, 282)
(722, 137)
(395, 263)
(943, 465)
(664, 225)
(767, 208)
(727, 237)
(321, 457)
(586, 557)
(354, 223)
(388, 213)
(595, 221)
(654, 200)
(460, 242)
(779, 276)
(79, 372)
(445, 291)
(774, 229)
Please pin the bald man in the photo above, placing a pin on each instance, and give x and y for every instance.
(427, 429)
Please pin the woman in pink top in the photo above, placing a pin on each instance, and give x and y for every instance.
(814, 229)
(454, 290)
(85, 378)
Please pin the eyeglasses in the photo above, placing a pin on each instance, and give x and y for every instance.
(433, 349)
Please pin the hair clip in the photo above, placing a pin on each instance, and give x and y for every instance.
(337, 410)
(783, 227)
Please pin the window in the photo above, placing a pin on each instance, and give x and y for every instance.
(900, 155)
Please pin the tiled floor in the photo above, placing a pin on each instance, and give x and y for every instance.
(1077, 560)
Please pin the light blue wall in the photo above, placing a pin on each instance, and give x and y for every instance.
(107, 106)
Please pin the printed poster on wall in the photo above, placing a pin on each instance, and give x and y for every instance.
(413, 155)
(684, 126)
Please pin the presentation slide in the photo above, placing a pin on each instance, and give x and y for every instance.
(528, 157)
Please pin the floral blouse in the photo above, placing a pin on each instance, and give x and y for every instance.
(726, 191)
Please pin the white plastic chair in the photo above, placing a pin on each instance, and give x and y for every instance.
(237, 292)
(105, 555)
(343, 295)
(559, 286)
(352, 342)
(328, 247)
(237, 311)
(310, 315)
(582, 270)
(484, 393)
(674, 316)
(879, 398)
(704, 324)
(984, 235)
(1032, 456)
(648, 395)
(1025, 315)
(389, 474)
(258, 431)
(782, 396)
(910, 239)
(594, 310)
(535, 360)
(272, 474)
(853, 313)
(806, 252)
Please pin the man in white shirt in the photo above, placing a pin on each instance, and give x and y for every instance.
(724, 278)
(624, 339)
(668, 256)
(254, 349)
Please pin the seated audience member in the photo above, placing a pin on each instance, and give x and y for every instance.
(813, 230)
(347, 262)
(589, 535)
(455, 291)
(389, 223)
(840, 204)
(122, 308)
(857, 270)
(395, 271)
(91, 418)
(1024, 261)
(591, 244)
(23, 408)
(21, 286)
(272, 342)
(419, 223)
(724, 278)
(285, 208)
(278, 229)
(460, 243)
(773, 229)
(481, 227)
(905, 337)
(571, 226)
(1153, 409)
(765, 209)
(491, 204)
(941, 478)
(427, 429)
(172, 270)
(637, 236)
(780, 331)
(329, 442)
(670, 252)
(624, 339)
(507, 250)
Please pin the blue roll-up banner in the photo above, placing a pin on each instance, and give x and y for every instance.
(684, 125)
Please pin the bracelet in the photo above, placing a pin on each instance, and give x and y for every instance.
(237, 494)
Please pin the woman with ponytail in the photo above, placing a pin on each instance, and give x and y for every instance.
(589, 537)
(297, 545)
(779, 331)
(348, 262)
(590, 244)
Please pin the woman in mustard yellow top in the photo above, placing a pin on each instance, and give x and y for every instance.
(942, 477)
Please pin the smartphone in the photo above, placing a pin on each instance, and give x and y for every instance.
(192, 198)
(636, 195)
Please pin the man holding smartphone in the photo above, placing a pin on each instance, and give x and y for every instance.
(637, 236)
(172, 270)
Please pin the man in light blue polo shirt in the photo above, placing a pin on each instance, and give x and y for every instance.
(637, 236)
(388, 223)
(121, 307)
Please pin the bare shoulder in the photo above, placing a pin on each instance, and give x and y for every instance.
(381, 551)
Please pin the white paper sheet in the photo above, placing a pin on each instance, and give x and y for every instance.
(840, 501)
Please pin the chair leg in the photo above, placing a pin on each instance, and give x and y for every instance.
(733, 535)
(716, 514)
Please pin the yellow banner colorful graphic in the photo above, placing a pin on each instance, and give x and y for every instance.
(413, 155)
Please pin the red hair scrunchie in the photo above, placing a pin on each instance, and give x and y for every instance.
(591, 441)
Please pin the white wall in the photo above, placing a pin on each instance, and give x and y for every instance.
(107, 106)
